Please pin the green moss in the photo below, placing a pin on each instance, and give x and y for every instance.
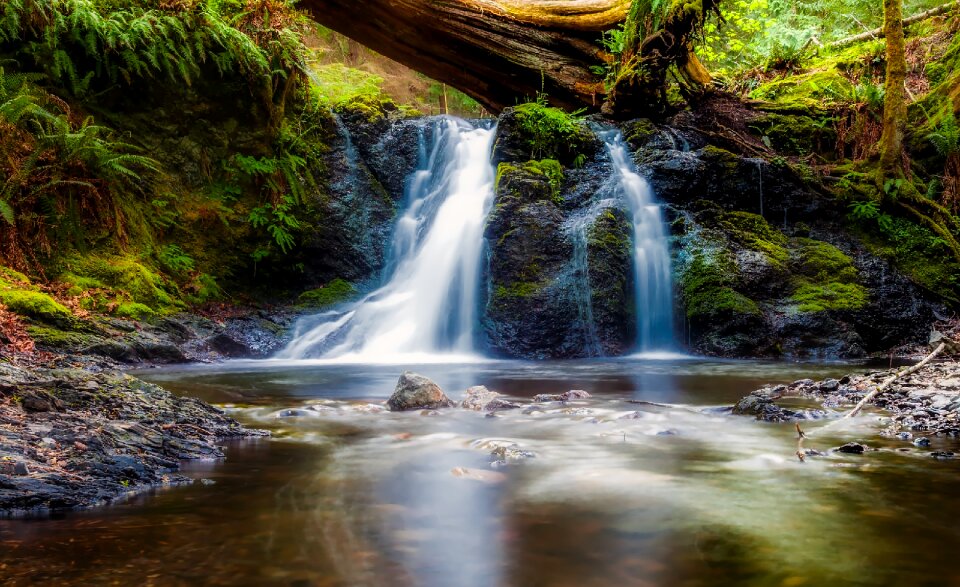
(795, 134)
(546, 168)
(335, 292)
(58, 339)
(372, 107)
(134, 311)
(551, 133)
(816, 89)
(638, 132)
(34, 304)
(753, 232)
(811, 297)
(824, 278)
(517, 290)
(10, 276)
(128, 278)
(706, 285)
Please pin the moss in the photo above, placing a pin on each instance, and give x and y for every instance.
(753, 232)
(795, 134)
(824, 278)
(34, 304)
(130, 280)
(134, 311)
(372, 107)
(11, 276)
(335, 292)
(638, 132)
(546, 168)
(811, 297)
(822, 261)
(58, 339)
(706, 285)
(813, 90)
(517, 290)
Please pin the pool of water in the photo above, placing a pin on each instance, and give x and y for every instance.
(677, 494)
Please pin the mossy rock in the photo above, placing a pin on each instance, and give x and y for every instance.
(815, 89)
(795, 134)
(707, 285)
(130, 279)
(372, 108)
(547, 168)
(812, 297)
(335, 292)
(36, 305)
(551, 133)
(754, 232)
(53, 338)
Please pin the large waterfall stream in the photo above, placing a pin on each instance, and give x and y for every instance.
(651, 252)
(427, 303)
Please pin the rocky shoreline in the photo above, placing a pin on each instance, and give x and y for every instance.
(917, 406)
(77, 432)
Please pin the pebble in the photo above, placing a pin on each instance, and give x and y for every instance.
(20, 468)
(904, 435)
(921, 442)
(942, 455)
(830, 385)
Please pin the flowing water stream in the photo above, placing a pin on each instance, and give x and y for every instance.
(428, 301)
(651, 251)
(647, 483)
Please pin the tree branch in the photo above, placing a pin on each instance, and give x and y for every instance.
(879, 34)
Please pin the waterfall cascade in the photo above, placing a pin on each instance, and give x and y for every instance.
(651, 254)
(427, 302)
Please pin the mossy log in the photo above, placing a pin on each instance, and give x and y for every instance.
(502, 51)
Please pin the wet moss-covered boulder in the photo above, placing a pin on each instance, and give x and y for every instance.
(527, 311)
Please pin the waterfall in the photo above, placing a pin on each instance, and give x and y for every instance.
(427, 302)
(651, 254)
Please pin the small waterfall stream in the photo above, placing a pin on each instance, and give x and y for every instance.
(428, 301)
(651, 254)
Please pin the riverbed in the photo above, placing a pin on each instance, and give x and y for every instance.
(647, 482)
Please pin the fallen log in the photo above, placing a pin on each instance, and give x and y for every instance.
(890, 380)
(878, 32)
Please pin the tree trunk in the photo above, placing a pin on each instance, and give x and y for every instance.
(501, 52)
(895, 97)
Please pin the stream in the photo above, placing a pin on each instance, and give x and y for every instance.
(676, 494)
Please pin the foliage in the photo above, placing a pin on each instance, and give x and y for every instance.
(77, 42)
(551, 133)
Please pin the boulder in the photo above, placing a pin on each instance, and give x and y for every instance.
(481, 399)
(416, 392)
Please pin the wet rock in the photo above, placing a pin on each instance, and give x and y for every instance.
(20, 468)
(904, 435)
(802, 383)
(921, 442)
(481, 399)
(852, 448)
(295, 413)
(416, 392)
(829, 385)
(942, 455)
(573, 394)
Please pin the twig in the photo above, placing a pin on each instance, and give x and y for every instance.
(889, 381)
(800, 437)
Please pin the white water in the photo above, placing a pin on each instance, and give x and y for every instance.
(651, 254)
(428, 301)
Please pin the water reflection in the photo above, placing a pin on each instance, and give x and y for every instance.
(673, 495)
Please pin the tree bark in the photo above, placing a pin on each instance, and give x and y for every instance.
(501, 52)
(895, 96)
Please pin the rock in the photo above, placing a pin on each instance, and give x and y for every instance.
(829, 385)
(942, 455)
(921, 442)
(802, 383)
(20, 468)
(479, 398)
(904, 435)
(295, 413)
(560, 397)
(416, 392)
(852, 448)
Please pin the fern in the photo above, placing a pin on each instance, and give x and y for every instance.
(946, 136)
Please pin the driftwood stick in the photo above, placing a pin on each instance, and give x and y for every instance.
(800, 437)
(889, 381)
(878, 33)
